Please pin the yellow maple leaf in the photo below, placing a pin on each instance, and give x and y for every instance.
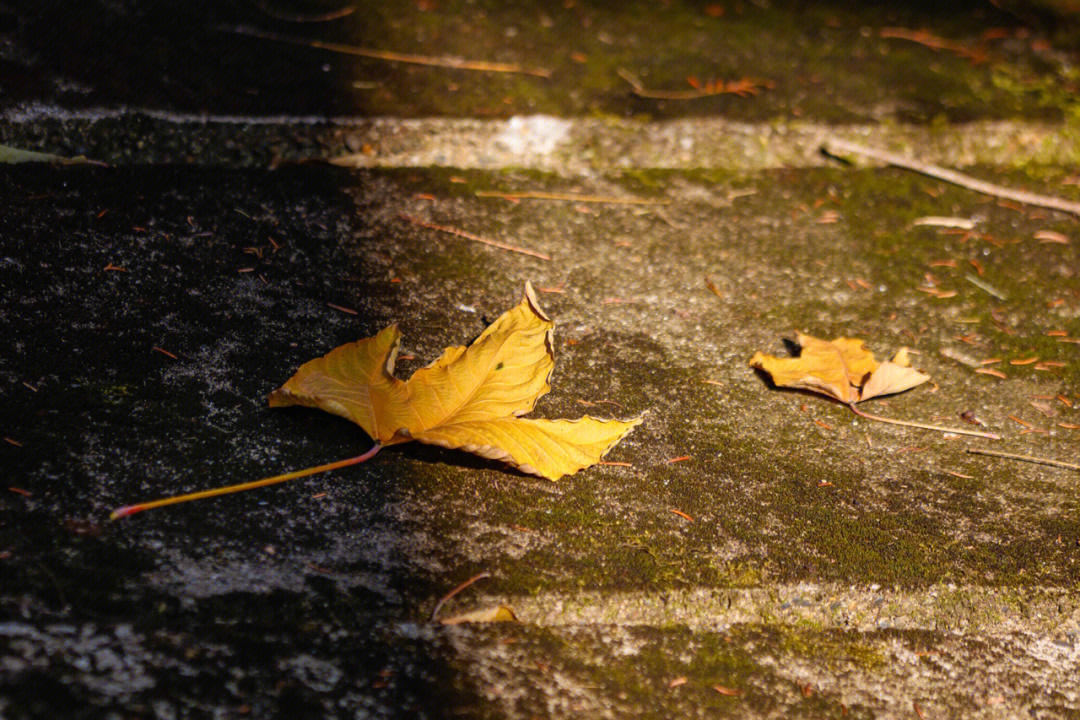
(469, 399)
(842, 369)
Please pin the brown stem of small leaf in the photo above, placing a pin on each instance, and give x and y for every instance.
(923, 426)
(132, 509)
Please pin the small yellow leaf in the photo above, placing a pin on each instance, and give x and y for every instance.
(499, 613)
(468, 399)
(842, 369)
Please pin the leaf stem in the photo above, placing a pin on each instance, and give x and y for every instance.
(907, 423)
(132, 509)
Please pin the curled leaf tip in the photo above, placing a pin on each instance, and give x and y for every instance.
(534, 303)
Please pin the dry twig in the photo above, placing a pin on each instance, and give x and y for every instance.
(837, 148)
(1026, 458)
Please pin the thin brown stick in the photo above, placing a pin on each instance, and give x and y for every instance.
(470, 236)
(837, 147)
(572, 197)
(301, 18)
(447, 62)
(443, 600)
(923, 426)
(1026, 458)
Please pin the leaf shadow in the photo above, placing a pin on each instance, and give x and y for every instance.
(767, 379)
(435, 455)
(793, 348)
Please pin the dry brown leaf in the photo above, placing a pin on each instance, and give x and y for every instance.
(842, 369)
(469, 399)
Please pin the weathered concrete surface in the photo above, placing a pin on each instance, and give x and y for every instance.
(110, 420)
(836, 62)
(569, 147)
(833, 566)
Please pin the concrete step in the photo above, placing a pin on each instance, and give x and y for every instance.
(151, 307)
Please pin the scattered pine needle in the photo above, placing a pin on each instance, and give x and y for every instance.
(683, 515)
(985, 286)
(949, 222)
(681, 458)
(730, 692)
(1049, 236)
(443, 600)
(342, 309)
(926, 39)
(444, 61)
(712, 287)
(615, 463)
(570, 197)
(304, 18)
(742, 87)
(470, 236)
(837, 147)
(1025, 458)
(165, 352)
